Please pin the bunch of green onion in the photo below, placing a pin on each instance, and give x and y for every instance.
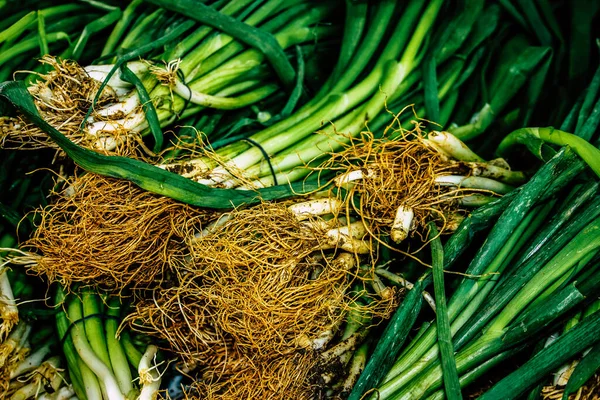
(385, 64)
(538, 264)
(225, 62)
(209, 68)
(99, 358)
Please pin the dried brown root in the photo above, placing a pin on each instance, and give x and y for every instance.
(256, 288)
(63, 96)
(280, 377)
(392, 175)
(109, 232)
(589, 391)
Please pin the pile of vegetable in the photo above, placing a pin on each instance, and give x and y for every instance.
(302, 199)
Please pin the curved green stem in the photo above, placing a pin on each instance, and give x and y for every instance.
(533, 137)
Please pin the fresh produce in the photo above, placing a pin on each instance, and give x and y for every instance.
(253, 198)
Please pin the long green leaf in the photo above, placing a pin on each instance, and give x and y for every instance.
(144, 175)
(548, 243)
(126, 17)
(536, 22)
(585, 150)
(390, 342)
(580, 337)
(252, 36)
(479, 370)
(539, 317)
(507, 84)
(147, 105)
(451, 381)
(91, 28)
(591, 94)
(586, 368)
(447, 42)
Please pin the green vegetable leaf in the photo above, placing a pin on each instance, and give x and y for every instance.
(263, 41)
(450, 373)
(586, 368)
(531, 137)
(390, 342)
(149, 110)
(568, 345)
(144, 175)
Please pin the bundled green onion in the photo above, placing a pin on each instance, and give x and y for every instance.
(285, 298)
(209, 69)
(99, 362)
(538, 263)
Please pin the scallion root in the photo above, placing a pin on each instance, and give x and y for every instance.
(392, 185)
(63, 97)
(258, 296)
(108, 232)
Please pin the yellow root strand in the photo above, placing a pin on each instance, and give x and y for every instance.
(283, 377)
(109, 232)
(396, 173)
(256, 288)
(63, 96)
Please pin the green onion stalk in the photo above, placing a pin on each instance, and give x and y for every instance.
(563, 374)
(540, 250)
(28, 348)
(289, 149)
(37, 29)
(97, 359)
(346, 99)
(29, 363)
(417, 372)
(210, 69)
(570, 344)
(587, 365)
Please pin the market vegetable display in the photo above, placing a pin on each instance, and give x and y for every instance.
(299, 199)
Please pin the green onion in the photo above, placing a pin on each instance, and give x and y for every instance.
(532, 138)
(451, 379)
(569, 344)
(87, 355)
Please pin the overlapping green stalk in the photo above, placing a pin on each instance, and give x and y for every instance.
(512, 291)
(98, 362)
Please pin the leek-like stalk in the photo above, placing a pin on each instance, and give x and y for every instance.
(32, 361)
(474, 182)
(8, 306)
(85, 351)
(388, 73)
(118, 358)
(48, 371)
(532, 137)
(452, 146)
(149, 377)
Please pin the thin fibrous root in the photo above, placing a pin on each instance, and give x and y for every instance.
(393, 185)
(258, 287)
(109, 232)
(63, 97)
